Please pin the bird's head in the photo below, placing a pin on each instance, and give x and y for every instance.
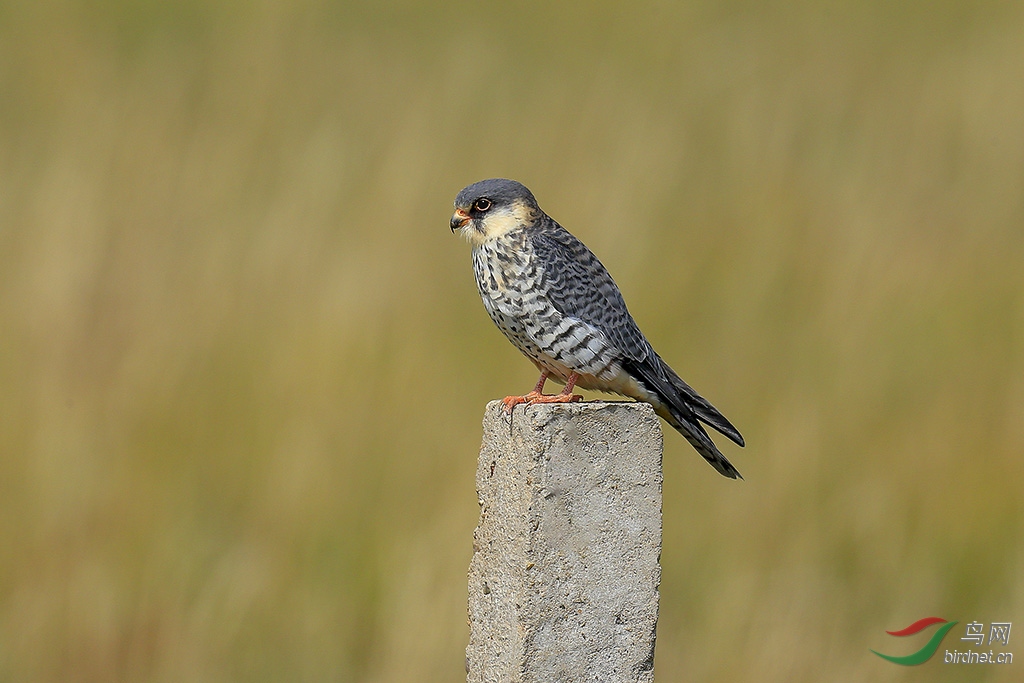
(490, 208)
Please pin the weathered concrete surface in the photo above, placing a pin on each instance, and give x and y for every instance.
(563, 585)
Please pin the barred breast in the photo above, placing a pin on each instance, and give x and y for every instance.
(512, 286)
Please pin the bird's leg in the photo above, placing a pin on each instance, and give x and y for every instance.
(565, 395)
(538, 395)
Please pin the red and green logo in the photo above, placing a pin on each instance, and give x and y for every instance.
(925, 653)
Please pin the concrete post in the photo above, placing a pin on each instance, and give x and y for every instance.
(563, 584)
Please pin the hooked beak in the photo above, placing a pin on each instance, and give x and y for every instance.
(459, 219)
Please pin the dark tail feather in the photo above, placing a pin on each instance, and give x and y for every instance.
(706, 412)
(700, 440)
(683, 407)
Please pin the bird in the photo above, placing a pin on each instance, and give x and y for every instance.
(557, 303)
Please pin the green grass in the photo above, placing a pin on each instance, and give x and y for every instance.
(243, 362)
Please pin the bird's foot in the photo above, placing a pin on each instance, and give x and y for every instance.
(512, 401)
(557, 398)
(537, 397)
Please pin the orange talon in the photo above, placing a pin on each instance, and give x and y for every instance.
(512, 401)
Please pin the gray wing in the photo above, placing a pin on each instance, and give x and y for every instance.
(579, 286)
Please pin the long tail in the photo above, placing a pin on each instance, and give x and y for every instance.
(685, 409)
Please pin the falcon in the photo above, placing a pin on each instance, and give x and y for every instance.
(556, 302)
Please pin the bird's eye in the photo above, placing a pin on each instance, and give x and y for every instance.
(482, 204)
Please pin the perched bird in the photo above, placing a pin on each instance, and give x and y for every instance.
(556, 302)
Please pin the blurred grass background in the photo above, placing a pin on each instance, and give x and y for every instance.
(243, 362)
